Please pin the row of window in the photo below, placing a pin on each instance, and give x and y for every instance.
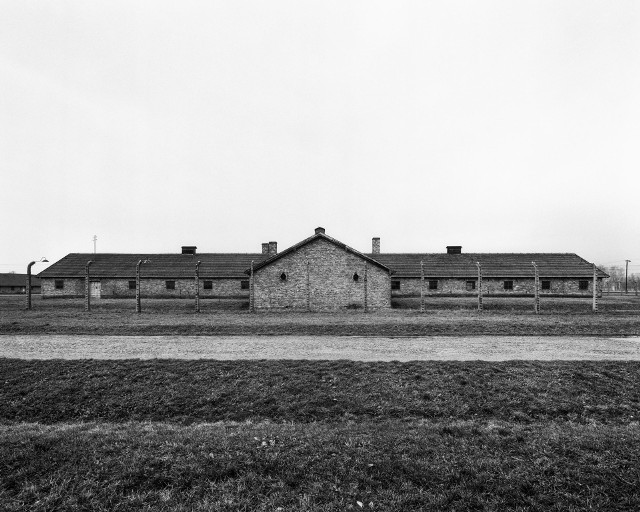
(395, 285)
(508, 285)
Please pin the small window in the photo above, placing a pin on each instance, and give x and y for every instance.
(208, 285)
(545, 285)
(283, 277)
(433, 285)
(171, 285)
(132, 285)
(59, 284)
(356, 277)
(471, 285)
(13, 288)
(244, 284)
(508, 285)
(583, 285)
(395, 285)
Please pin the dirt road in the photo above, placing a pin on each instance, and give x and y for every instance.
(487, 348)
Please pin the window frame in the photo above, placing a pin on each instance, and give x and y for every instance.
(59, 284)
(170, 285)
(244, 284)
(545, 284)
(583, 284)
(395, 284)
(132, 284)
(433, 284)
(507, 287)
(470, 286)
(207, 284)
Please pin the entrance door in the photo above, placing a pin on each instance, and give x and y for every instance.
(95, 289)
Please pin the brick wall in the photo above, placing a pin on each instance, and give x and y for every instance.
(109, 287)
(492, 286)
(331, 283)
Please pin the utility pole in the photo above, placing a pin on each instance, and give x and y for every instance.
(95, 239)
(626, 275)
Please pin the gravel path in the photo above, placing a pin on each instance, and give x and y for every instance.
(487, 348)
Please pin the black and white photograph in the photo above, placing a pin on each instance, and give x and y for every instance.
(319, 256)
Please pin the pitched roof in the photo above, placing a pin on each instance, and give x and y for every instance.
(12, 279)
(220, 265)
(313, 238)
(493, 265)
(235, 265)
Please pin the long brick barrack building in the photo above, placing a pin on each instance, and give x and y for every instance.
(320, 273)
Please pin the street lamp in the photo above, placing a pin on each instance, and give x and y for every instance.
(43, 260)
(140, 262)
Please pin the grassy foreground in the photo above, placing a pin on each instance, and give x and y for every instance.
(618, 316)
(305, 391)
(277, 467)
(318, 436)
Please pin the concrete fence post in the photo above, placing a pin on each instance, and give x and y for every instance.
(87, 287)
(308, 283)
(138, 305)
(536, 285)
(479, 285)
(251, 285)
(595, 288)
(198, 286)
(366, 289)
(421, 286)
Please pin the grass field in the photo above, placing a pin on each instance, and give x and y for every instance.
(618, 316)
(302, 435)
(320, 435)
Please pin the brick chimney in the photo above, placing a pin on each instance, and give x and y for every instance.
(273, 248)
(375, 245)
(189, 249)
(265, 248)
(454, 249)
(319, 230)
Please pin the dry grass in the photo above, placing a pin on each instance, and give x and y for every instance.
(619, 316)
(395, 466)
(307, 391)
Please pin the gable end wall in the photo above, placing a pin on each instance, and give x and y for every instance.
(331, 284)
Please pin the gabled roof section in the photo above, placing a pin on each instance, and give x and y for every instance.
(11, 279)
(160, 266)
(319, 236)
(493, 265)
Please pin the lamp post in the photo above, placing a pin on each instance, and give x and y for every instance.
(198, 287)
(140, 262)
(43, 260)
(87, 287)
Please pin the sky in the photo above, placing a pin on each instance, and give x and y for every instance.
(500, 126)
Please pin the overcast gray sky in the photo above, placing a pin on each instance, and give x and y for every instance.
(500, 126)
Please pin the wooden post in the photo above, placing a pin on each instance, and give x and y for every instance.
(198, 287)
(87, 288)
(595, 289)
(479, 285)
(251, 298)
(308, 285)
(366, 306)
(536, 285)
(421, 286)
